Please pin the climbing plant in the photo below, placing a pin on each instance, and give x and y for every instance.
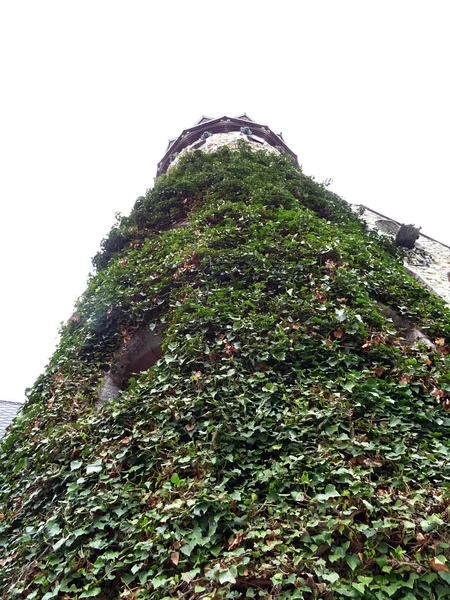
(291, 443)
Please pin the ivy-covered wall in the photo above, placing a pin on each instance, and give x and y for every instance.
(291, 442)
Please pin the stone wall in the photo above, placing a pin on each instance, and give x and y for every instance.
(231, 139)
(428, 262)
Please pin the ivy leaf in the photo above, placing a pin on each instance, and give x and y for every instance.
(52, 594)
(228, 576)
(75, 464)
(359, 586)
(175, 479)
(98, 543)
(330, 492)
(353, 561)
(59, 543)
(90, 593)
(341, 314)
(54, 529)
(94, 467)
(431, 523)
(332, 576)
(188, 576)
(158, 581)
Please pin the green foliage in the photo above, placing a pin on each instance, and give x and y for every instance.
(289, 444)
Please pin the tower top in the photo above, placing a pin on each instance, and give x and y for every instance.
(208, 125)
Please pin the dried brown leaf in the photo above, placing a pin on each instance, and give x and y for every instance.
(438, 565)
(235, 542)
(437, 393)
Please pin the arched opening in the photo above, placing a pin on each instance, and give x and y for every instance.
(135, 357)
(143, 359)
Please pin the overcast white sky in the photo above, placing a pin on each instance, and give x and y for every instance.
(91, 91)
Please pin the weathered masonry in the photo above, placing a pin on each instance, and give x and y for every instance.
(428, 262)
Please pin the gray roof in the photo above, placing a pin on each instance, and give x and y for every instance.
(8, 411)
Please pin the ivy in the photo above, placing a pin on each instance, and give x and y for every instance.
(290, 443)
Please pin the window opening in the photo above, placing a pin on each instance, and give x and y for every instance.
(137, 356)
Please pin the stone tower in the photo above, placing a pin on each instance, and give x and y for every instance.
(250, 400)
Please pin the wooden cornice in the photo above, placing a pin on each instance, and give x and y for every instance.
(221, 125)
